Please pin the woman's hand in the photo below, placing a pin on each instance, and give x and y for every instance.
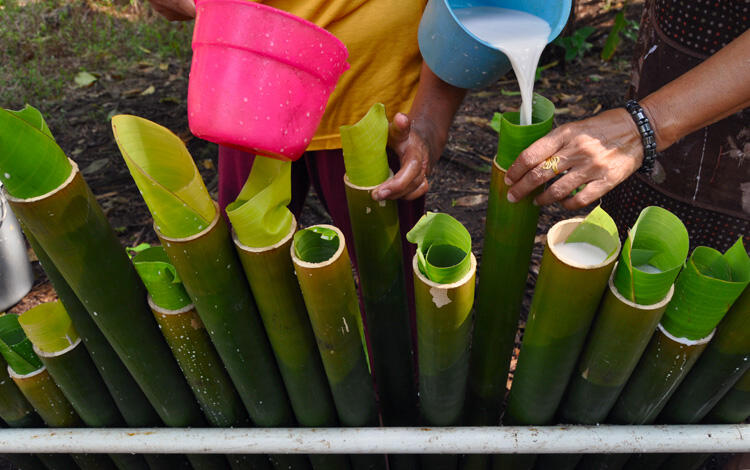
(599, 152)
(410, 141)
(175, 10)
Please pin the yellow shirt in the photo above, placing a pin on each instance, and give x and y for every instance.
(381, 36)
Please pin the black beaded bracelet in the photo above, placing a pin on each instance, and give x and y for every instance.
(647, 135)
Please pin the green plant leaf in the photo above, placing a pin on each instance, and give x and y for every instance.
(15, 347)
(514, 138)
(316, 244)
(598, 229)
(259, 215)
(84, 79)
(363, 145)
(705, 289)
(31, 162)
(613, 39)
(160, 278)
(49, 327)
(166, 176)
(443, 247)
(659, 239)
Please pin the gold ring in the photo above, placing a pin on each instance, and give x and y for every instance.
(551, 164)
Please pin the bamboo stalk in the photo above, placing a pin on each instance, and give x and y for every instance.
(556, 328)
(509, 233)
(377, 242)
(270, 272)
(71, 227)
(15, 410)
(324, 273)
(129, 398)
(734, 407)
(724, 362)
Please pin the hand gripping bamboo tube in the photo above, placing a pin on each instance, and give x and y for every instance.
(71, 227)
(270, 272)
(377, 241)
(324, 273)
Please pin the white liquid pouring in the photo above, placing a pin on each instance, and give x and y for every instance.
(520, 35)
(580, 253)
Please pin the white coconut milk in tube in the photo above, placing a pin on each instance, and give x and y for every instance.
(519, 35)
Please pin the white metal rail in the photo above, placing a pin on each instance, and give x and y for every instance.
(455, 440)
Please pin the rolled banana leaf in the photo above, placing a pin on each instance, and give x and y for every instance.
(558, 321)
(129, 398)
(722, 364)
(363, 145)
(324, 273)
(270, 272)
(652, 256)
(444, 270)
(734, 407)
(509, 233)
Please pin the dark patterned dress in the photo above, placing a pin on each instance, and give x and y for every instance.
(704, 178)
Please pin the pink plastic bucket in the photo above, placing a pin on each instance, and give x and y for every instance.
(260, 77)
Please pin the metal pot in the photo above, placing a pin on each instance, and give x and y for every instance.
(16, 277)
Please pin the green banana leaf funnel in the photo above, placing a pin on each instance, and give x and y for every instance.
(160, 277)
(378, 250)
(509, 234)
(444, 270)
(705, 289)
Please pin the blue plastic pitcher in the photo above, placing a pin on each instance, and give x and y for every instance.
(462, 59)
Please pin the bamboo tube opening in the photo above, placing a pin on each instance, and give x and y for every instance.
(686, 341)
(164, 311)
(195, 236)
(317, 251)
(15, 375)
(264, 249)
(73, 171)
(437, 285)
(497, 165)
(561, 231)
(613, 289)
(61, 352)
(347, 182)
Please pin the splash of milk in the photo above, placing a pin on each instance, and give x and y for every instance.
(520, 35)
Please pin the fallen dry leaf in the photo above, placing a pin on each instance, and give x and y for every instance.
(148, 91)
(471, 200)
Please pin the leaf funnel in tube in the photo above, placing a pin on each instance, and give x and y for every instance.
(15, 347)
(165, 174)
(443, 247)
(363, 145)
(31, 162)
(259, 215)
(49, 327)
(160, 278)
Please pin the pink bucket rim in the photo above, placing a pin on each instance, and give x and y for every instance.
(260, 6)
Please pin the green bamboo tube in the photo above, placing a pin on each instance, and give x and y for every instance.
(685, 462)
(212, 276)
(734, 407)
(270, 272)
(72, 229)
(722, 364)
(129, 398)
(557, 325)
(187, 338)
(377, 243)
(15, 410)
(324, 273)
(509, 234)
(444, 270)
(704, 290)
(619, 335)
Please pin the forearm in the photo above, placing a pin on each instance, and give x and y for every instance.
(708, 93)
(433, 109)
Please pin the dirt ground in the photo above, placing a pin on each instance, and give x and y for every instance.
(459, 183)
